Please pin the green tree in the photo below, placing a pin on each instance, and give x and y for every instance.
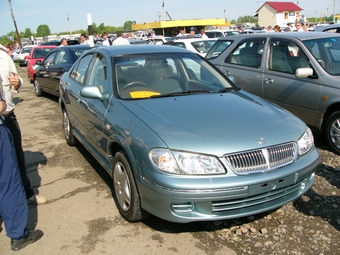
(128, 25)
(27, 34)
(43, 30)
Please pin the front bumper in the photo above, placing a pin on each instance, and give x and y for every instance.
(241, 196)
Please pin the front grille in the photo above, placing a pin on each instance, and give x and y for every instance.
(262, 160)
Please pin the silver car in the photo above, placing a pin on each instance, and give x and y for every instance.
(298, 71)
(180, 144)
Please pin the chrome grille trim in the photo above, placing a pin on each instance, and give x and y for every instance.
(262, 160)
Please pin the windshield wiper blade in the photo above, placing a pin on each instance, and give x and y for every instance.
(182, 93)
(225, 90)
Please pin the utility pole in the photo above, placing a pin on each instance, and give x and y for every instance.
(334, 5)
(15, 24)
(69, 26)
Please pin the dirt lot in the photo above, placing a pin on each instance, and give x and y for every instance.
(81, 218)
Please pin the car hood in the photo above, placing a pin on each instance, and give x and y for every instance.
(217, 123)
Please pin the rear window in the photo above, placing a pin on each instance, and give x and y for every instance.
(41, 53)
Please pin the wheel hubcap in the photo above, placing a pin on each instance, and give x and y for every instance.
(122, 186)
(334, 133)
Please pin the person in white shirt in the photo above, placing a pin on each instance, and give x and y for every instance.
(84, 39)
(106, 41)
(63, 42)
(120, 40)
(12, 83)
(299, 27)
(203, 35)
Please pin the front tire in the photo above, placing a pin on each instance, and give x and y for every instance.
(332, 132)
(37, 88)
(125, 190)
(68, 130)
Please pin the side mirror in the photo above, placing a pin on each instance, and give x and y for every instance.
(91, 92)
(303, 72)
(39, 63)
(28, 57)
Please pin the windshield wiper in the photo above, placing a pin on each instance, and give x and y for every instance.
(182, 93)
(225, 90)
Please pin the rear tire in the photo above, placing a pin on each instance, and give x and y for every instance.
(37, 88)
(68, 130)
(332, 132)
(125, 191)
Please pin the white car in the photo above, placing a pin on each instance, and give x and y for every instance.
(25, 51)
(215, 33)
(157, 39)
(198, 45)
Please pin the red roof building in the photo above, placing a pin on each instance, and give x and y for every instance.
(278, 13)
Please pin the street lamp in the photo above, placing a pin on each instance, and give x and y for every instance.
(224, 13)
(327, 9)
(69, 26)
(316, 19)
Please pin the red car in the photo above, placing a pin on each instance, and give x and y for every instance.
(37, 53)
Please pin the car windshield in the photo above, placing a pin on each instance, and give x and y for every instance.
(26, 50)
(164, 75)
(231, 33)
(218, 47)
(203, 46)
(41, 53)
(327, 52)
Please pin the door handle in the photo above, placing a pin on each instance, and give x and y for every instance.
(269, 80)
(226, 73)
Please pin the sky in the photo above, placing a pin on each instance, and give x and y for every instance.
(32, 13)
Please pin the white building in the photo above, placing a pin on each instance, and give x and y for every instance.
(278, 13)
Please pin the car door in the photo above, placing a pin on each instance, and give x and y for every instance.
(74, 83)
(94, 110)
(301, 96)
(245, 63)
(60, 65)
(42, 72)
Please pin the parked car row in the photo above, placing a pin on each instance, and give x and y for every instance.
(48, 72)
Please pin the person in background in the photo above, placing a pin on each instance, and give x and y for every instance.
(84, 39)
(203, 35)
(277, 28)
(12, 83)
(299, 27)
(13, 203)
(180, 33)
(120, 40)
(106, 41)
(270, 29)
(63, 42)
(192, 33)
(289, 28)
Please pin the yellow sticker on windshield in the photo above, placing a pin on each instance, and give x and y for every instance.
(143, 94)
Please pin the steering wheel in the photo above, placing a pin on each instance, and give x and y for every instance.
(135, 83)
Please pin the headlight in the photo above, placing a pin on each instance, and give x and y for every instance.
(177, 162)
(306, 142)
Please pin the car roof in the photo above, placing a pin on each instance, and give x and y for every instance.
(296, 35)
(194, 39)
(322, 28)
(45, 46)
(141, 48)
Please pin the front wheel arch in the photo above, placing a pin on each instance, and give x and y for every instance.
(125, 191)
